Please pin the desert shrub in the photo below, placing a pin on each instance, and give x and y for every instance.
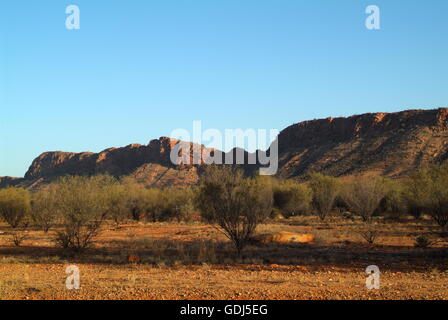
(427, 191)
(370, 234)
(82, 202)
(339, 204)
(236, 204)
(291, 198)
(393, 205)
(417, 193)
(14, 205)
(325, 190)
(17, 237)
(363, 195)
(179, 204)
(44, 210)
(155, 204)
(423, 241)
(117, 202)
(135, 198)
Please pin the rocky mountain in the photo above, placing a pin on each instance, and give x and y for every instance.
(149, 164)
(390, 144)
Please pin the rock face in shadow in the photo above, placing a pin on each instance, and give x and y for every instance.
(390, 144)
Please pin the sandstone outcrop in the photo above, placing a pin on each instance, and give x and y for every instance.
(390, 144)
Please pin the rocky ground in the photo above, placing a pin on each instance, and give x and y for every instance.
(215, 282)
(179, 262)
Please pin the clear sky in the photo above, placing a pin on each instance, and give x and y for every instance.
(138, 69)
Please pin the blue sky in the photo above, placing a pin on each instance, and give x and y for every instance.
(138, 69)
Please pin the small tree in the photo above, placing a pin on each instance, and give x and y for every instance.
(417, 193)
(363, 196)
(179, 204)
(325, 190)
(237, 205)
(14, 205)
(83, 205)
(427, 190)
(438, 196)
(45, 211)
(117, 202)
(135, 198)
(155, 204)
(393, 203)
(291, 198)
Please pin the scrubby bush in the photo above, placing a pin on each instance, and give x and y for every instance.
(417, 193)
(82, 202)
(363, 195)
(135, 199)
(291, 198)
(14, 205)
(17, 237)
(393, 205)
(45, 212)
(423, 241)
(236, 204)
(155, 204)
(325, 190)
(117, 199)
(427, 192)
(179, 204)
(370, 234)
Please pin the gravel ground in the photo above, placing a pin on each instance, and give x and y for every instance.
(36, 281)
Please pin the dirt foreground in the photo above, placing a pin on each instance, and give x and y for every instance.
(176, 264)
(214, 282)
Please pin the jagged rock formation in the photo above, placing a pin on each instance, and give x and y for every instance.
(390, 144)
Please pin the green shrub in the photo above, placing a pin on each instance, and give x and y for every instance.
(179, 204)
(325, 190)
(427, 192)
(135, 199)
(393, 205)
(117, 202)
(291, 198)
(15, 205)
(363, 195)
(82, 202)
(45, 212)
